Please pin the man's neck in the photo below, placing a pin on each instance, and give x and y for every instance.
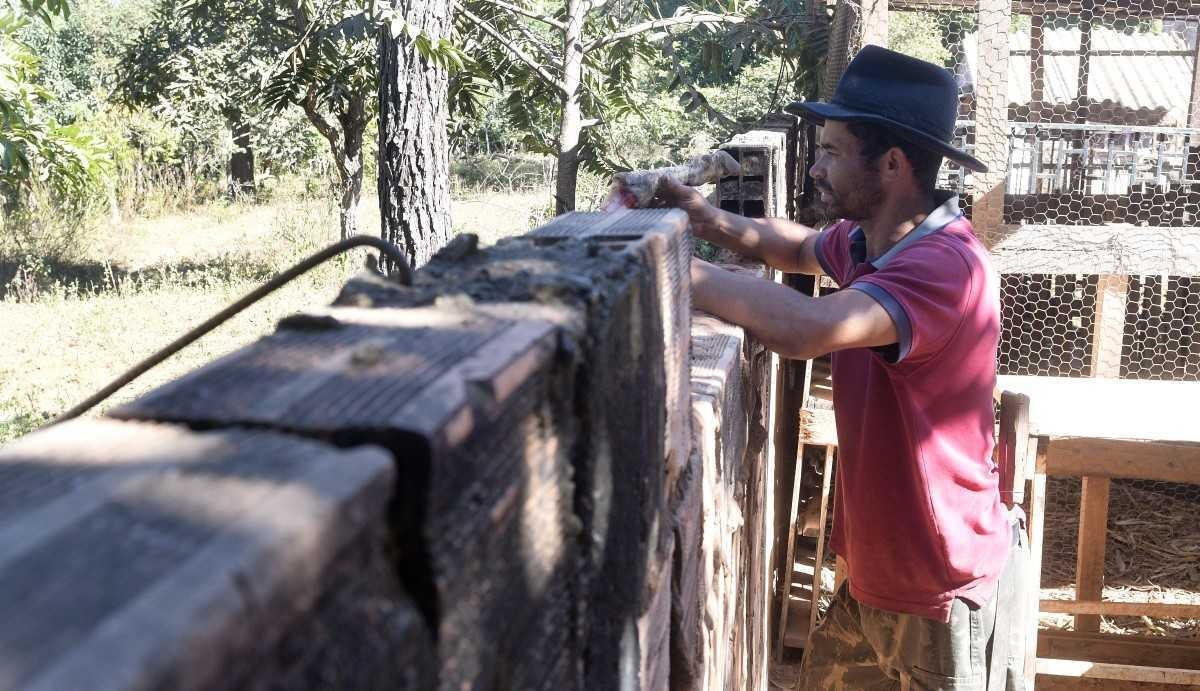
(895, 219)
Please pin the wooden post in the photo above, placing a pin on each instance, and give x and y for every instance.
(785, 575)
(1089, 560)
(1111, 293)
(991, 118)
(1194, 104)
(1037, 65)
(1085, 63)
(1037, 526)
(1079, 163)
(819, 557)
(875, 22)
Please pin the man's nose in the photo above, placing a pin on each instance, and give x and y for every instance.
(817, 171)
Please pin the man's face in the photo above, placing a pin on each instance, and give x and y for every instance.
(849, 186)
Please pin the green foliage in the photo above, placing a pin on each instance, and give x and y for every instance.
(634, 54)
(44, 10)
(918, 34)
(79, 54)
(35, 148)
(328, 59)
(203, 57)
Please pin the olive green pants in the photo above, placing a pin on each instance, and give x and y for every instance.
(980, 649)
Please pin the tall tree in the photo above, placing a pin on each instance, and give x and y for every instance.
(414, 168)
(206, 55)
(240, 56)
(330, 72)
(579, 55)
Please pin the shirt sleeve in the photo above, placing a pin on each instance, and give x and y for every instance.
(833, 251)
(927, 290)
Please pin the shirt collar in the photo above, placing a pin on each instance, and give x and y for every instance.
(945, 213)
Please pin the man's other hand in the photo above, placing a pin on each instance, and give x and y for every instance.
(701, 214)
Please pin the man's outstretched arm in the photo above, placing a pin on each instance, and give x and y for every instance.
(787, 321)
(776, 242)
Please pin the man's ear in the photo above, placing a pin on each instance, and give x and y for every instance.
(893, 164)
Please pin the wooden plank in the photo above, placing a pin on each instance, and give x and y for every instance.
(722, 376)
(1109, 330)
(1037, 64)
(991, 117)
(796, 635)
(1054, 683)
(194, 554)
(1012, 446)
(1115, 458)
(1089, 562)
(1125, 8)
(818, 426)
(1194, 104)
(786, 589)
(1157, 610)
(1109, 408)
(1037, 526)
(1110, 249)
(778, 419)
(1083, 76)
(1119, 648)
(1083, 669)
(819, 559)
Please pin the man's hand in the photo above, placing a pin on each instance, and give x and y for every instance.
(701, 214)
(777, 242)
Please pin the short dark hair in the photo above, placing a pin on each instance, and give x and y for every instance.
(875, 140)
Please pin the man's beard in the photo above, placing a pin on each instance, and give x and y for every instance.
(856, 204)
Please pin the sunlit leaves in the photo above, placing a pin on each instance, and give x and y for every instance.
(34, 146)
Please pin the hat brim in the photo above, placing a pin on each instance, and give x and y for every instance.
(819, 112)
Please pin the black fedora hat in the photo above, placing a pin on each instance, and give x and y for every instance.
(915, 99)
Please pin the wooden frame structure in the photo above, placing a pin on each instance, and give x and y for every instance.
(1097, 429)
(1085, 428)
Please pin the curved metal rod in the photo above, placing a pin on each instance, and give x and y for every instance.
(278, 281)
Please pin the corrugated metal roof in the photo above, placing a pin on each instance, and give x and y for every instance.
(1138, 78)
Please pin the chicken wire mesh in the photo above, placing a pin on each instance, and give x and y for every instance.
(1097, 106)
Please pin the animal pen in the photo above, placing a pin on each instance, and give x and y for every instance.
(1088, 116)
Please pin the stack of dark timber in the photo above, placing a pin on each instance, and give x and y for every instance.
(719, 628)
(481, 481)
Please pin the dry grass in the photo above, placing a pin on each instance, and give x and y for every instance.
(1152, 553)
(138, 285)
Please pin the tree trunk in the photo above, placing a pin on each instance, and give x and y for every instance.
(350, 167)
(351, 188)
(569, 123)
(241, 161)
(414, 166)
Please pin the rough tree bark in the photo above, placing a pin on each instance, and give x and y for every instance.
(570, 121)
(345, 143)
(241, 161)
(414, 166)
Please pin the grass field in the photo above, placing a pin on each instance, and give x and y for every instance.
(139, 284)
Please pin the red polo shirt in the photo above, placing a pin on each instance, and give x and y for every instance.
(918, 517)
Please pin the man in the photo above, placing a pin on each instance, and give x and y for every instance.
(933, 599)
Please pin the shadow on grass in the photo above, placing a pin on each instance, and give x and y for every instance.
(20, 424)
(25, 279)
